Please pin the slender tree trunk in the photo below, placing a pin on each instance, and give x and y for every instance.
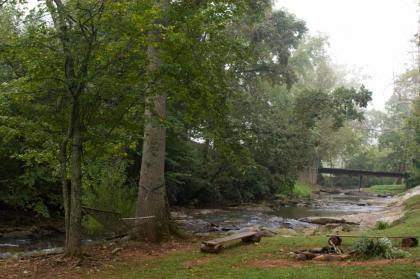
(65, 188)
(152, 196)
(75, 228)
(76, 83)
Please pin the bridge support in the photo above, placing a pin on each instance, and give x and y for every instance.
(360, 182)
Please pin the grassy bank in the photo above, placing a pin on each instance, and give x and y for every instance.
(266, 260)
(269, 259)
(387, 189)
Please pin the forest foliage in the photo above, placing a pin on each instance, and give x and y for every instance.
(252, 99)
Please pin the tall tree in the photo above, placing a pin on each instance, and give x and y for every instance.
(76, 77)
(63, 93)
(152, 199)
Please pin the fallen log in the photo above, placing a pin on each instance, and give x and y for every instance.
(216, 245)
(318, 253)
(326, 220)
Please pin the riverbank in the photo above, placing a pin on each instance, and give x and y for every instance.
(394, 209)
(269, 259)
(279, 214)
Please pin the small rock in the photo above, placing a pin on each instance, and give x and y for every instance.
(275, 219)
(116, 250)
(301, 257)
(179, 215)
(269, 232)
(302, 204)
(309, 255)
(229, 228)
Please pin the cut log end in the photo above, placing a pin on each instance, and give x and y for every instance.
(216, 249)
(409, 242)
(334, 241)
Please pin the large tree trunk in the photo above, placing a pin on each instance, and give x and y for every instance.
(73, 246)
(152, 200)
(152, 191)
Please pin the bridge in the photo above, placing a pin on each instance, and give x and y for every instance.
(362, 173)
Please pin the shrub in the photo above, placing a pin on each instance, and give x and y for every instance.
(302, 190)
(413, 181)
(381, 225)
(347, 228)
(382, 248)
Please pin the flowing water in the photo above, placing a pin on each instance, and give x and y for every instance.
(205, 221)
(334, 205)
(326, 205)
(18, 246)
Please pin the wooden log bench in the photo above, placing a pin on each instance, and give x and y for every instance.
(406, 241)
(216, 245)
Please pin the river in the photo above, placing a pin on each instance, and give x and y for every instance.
(202, 221)
(206, 221)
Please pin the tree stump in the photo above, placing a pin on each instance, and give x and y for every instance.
(409, 242)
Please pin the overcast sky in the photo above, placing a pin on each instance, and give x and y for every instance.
(373, 35)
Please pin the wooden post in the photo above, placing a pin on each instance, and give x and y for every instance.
(360, 183)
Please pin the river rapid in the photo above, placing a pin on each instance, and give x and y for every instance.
(279, 215)
(204, 222)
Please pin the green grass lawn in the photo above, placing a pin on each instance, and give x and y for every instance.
(387, 189)
(250, 261)
(240, 263)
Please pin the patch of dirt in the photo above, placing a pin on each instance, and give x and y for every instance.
(285, 263)
(96, 259)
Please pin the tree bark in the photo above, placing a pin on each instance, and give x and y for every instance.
(152, 190)
(73, 246)
(152, 196)
(65, 188)
(75, 86)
